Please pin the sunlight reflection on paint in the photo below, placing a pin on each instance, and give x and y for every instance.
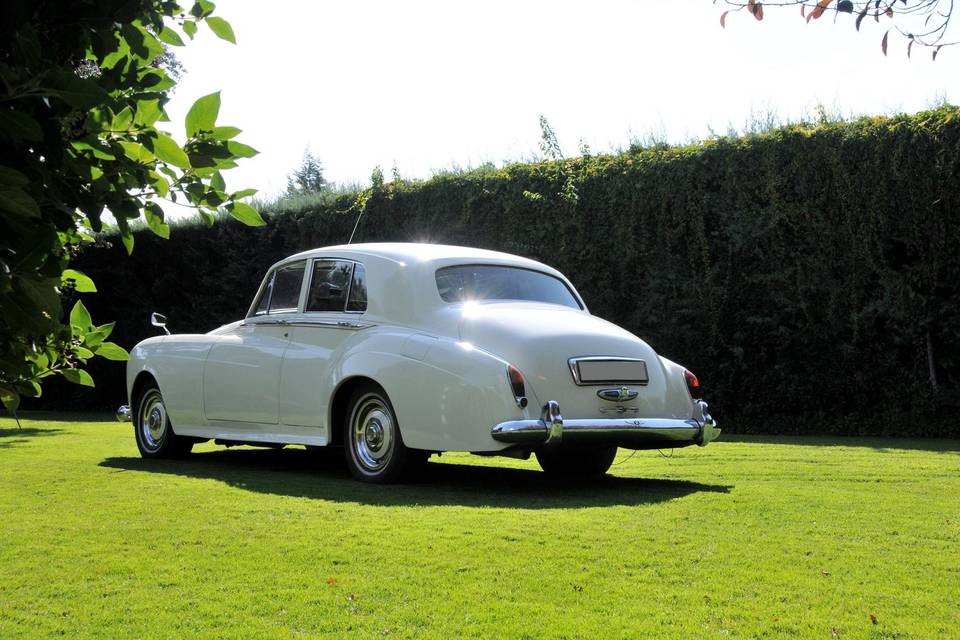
(470, 308)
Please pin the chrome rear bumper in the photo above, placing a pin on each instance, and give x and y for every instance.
(123, 414)
(631, 433)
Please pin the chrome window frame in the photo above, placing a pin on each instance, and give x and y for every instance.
(346, 298)
(270, 277)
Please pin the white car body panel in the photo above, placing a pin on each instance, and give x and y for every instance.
(443, 365)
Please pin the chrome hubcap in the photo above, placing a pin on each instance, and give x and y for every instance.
(373, 432)
(153, 420)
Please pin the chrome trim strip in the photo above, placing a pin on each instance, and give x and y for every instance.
(620, 410)
(306, 322)
(552, 429)
(575, 370)
(265, 323)
(337, 324)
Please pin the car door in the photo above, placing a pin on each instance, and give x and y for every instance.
(241, 376)
(333, 310)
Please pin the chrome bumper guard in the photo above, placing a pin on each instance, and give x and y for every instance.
(124, 414)
(631, 433)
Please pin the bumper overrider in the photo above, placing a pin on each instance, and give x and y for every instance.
(631, 433)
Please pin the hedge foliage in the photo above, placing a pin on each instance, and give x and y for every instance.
(808, 275)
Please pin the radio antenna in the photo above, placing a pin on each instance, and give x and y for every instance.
(357, 223)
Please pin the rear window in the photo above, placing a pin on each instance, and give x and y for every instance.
(494, 282)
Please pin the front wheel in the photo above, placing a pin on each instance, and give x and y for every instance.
(578, 462)
(374, 447)
(152, 428)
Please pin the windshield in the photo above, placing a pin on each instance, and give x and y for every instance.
(491, 282)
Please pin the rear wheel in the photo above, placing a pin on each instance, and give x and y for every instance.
(374, 448)
(580, 462)
(152, 428)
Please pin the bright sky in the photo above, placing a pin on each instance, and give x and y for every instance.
(427, 85)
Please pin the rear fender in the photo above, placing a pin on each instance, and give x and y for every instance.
(446, 394)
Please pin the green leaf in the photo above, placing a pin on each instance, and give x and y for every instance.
(216, 182)
(159, 183)
(127, 239)
(245, 214)
(121, 121)
(83, 352)
(222, 28)
(243, 193)
(170, 36)
(137, 152)
(241, 150)
(97, 335)
(10, 399)
(16, 125)
(96, 151)
(19, 202)
(148, 112)
(80, 317)
(202, 8)
(118, 55)
(82, 93)
(78, 376)
(203, 114)
(36, 248)
(12, 177)
(112, 351)
(225, 133)
(144, 47)
(156, 79)
(29, 388)
(81, 282)
(154, 216)
(42, 294)
(190, 28)
(170, 152)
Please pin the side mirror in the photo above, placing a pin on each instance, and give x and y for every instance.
(159, 320)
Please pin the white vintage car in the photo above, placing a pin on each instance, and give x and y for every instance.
(396, 351)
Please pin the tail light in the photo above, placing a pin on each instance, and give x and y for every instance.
(693, 384)
(517, 385)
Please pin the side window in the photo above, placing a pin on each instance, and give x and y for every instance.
(358, 290)
(264, 302)
(286, 288)
(329, 285)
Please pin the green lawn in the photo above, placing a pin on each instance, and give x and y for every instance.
(766, 537)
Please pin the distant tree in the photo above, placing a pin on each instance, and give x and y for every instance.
(308, 178)
(549, 145)
(83, 87)
(921, 22)
(376, 178)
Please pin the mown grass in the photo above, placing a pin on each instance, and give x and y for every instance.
(766, 537)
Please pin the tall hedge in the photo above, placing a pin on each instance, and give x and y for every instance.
(809, 276)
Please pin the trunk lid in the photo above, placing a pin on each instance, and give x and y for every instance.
(540, 340)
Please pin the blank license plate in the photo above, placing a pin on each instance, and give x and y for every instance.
(613, 371)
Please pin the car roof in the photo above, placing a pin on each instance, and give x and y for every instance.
(417, 252)
(390, 264)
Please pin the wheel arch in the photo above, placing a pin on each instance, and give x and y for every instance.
(340, 405)
(143, 379)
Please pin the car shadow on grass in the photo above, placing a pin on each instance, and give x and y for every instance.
(303, 474)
